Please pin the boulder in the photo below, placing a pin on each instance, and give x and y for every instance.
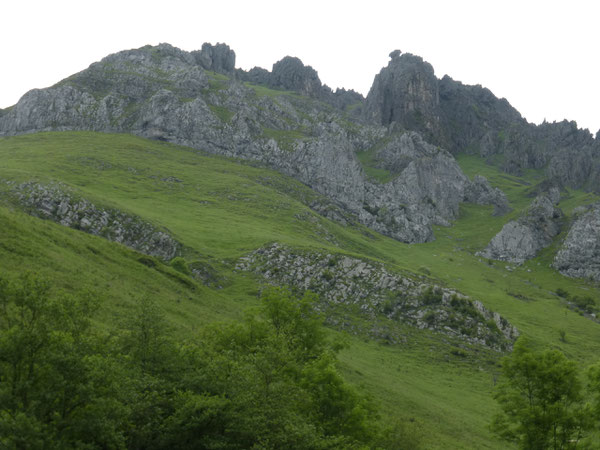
(291, 74)
(218, 58)
(480, 192)
(579, 255)
(521, 239)
(405, 92)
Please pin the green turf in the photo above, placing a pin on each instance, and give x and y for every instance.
(221, 209)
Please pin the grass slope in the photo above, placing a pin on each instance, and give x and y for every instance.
(221, 209)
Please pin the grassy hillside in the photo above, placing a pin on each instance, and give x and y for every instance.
(221, 209)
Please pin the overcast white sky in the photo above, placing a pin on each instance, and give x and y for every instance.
(542, 56)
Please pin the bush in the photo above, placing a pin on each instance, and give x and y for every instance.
(180, 265)
(327, 275)
(432, 296)
(464, 306)
(541, 400)
(586, 303)
(272, 378)
(563, 335)
(429, 318)
(491, 324)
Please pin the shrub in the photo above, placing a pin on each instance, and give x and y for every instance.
(563, 335)
(586, 303)
(491, 324)
(327, 275)
(429, 317)
(180, 265)
(388, 307)
(425, 270)
(541, 400)
(148, 261)
(431, 296)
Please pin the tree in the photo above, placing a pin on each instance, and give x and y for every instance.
(56, 389)
(272, 382)
(541, 400)
(594, 389)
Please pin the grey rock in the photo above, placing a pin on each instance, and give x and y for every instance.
(374, 289)
(579, 255)
(218, 58)
(522, 239)
(405, 92)
(256, 75)
(343, 99)
(55, 202)
(291, 74)
(164, 93)
(467, 118)
(480, 192)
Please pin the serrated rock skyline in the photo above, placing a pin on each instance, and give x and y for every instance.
(410, 125)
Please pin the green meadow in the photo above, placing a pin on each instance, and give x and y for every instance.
(221, 209)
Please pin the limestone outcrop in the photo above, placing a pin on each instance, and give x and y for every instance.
(55, 202)
(521, 239)
(371, 288)
(165, 93)
(579, 255)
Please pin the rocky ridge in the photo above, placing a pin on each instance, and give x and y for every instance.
(55, 202)
(374, 290)
(579, 255)
(167, 94)
(521, 239)
(405, 92)
(481, 193)
(462, 118)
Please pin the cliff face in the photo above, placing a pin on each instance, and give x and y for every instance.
(168, 94)
(464, 118)
(521, 239)
(407, 121)
(405, 92)
(376, 291)
(579, 255)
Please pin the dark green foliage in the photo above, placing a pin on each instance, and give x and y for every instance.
(429, 317)
(541, 400)
(593, 374)
(491, 324)
(466, 307)
(327, 275)
(431, 296)
(279, 372)
(179, 264)
(563, 335)
(148, 261)
(56, 391)
(388, 306)
(584, 303)
(268, 382)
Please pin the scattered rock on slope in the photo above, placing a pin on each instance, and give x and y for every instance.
(579, 255)
(521, 239)
(165, 93)
(54, 202)
(481, 193)
(343, 281)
